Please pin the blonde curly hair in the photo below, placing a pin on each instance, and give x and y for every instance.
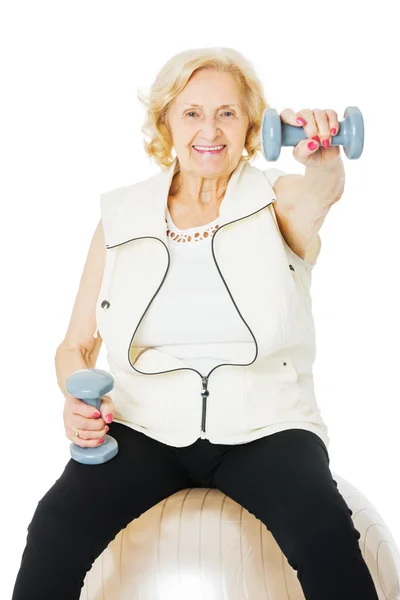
(171, 80)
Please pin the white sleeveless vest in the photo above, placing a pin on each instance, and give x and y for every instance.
(154, 392)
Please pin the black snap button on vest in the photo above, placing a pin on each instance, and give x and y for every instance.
(284, 364)
(105, 304)
(291, 267)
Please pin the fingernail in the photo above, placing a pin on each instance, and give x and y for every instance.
(96, 415)
(333, 131)
(300, 121)
(109, 418)
(316, 138)
(107, 429)
(325, 143)
(312, 146)
(101, 441)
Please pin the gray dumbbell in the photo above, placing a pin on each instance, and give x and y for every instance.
(89, 385)
(275, 134)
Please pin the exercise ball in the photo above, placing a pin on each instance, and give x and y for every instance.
(199, 543)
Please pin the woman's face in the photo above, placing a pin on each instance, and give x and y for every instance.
(219, 119)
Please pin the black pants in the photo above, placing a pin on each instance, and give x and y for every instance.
(283, 479)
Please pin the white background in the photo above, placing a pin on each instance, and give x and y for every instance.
(70, 130)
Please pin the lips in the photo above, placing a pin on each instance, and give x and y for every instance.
(210, 151)
(216, 146)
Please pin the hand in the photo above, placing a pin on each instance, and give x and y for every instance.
(315, 123)
(79, 415)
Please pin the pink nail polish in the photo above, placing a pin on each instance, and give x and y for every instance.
(325, 143)
(312, 146)
(96, 415)
(301, 121)
(333, 131)
(316, 138)
(109, 418)
(101, 441)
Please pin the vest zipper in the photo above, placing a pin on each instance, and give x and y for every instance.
(205, 393)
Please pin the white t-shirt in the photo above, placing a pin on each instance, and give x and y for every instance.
(193, 316)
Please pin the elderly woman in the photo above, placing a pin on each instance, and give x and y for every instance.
(198, 280)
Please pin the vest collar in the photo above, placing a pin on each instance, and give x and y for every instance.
(142, 210)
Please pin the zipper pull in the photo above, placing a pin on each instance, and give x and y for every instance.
(204, 394)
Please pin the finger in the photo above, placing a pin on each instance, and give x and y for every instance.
(85, 410)
(302, 151)
(85, 443)
(289, 116)
(322, 122)
(333, 121)
(310, 127)
(85, 424)
(85, 434)
(107, 409)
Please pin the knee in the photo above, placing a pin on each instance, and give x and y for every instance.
(327, 526)
(51, 519)
(38, 518)
(63, 509)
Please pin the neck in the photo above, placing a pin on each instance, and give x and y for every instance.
(198, 192)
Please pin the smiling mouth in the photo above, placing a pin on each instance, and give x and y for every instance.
(204, 150)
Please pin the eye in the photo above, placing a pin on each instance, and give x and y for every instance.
(192, 112)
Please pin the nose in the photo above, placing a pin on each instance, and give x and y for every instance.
(211, 131)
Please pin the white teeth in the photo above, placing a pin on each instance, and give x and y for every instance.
(209, 147)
